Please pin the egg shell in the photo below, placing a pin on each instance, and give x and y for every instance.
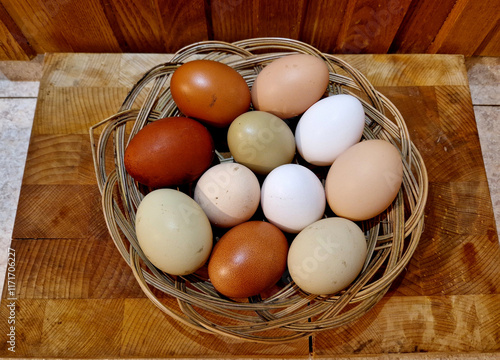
(210, 91)
(248, 259)
(328, 128)
(364, 180)
(261, 141)
(327, 256)
(169, 151)
(173, 231)
(292, 197)
(289, 85)
(228, 193)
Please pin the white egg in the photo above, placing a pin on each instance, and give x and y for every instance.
(292, 197)
(173, 231)
(228, 193)
(328, 128)
(327, 256)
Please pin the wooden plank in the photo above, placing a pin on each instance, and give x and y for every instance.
(466, 26)
(59, 160)
(182, 23)
(173, 340)
(61, 211)
(278, 18)
(420, 26)
(491, 44)
(416, 70)
(100, 337)
(64, 26)
(27, 318)
(58, 268)
(13, 43)
(86, 107)
(322, 23)
(369, 26)
(438, 324)
(136, 25)
(232, 20)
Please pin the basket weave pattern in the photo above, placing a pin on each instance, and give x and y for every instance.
(290, 313)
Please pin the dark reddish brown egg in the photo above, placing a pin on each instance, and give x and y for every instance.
(248, 259)
(169, 151)
(210, 91)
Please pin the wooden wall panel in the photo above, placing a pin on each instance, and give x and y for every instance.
(278, 18)
(135, 24)
(468, 27)
(13, 44)
(322, 23)
(182, 22)
(63, 25)
(232, 20)
(421, 25)
(370, 25)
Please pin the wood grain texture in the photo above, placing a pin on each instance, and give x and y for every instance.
(463, 28)
(182, 23)
(58, 268)
(421, 24)
(433, 324)
(13, 44)
(76, 297)
(344, 26)
(369, 26)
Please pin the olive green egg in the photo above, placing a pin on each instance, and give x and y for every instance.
(261, 141)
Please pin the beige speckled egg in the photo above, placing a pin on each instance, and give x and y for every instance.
(228, 193)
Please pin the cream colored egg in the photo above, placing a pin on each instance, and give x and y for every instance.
(327, 256)
(173, 231)
(228, 193)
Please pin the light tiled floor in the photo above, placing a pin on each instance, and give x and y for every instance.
(19, 88)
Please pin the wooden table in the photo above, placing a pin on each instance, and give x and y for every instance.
(76, 298)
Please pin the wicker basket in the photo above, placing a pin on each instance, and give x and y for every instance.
(289, 313)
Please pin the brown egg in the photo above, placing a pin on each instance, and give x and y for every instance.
(210, 91)
(288, 86)
(364, 180)
(169, 151)
(249, 259)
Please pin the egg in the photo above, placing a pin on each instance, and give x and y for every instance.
(292, 197)
(173, 231)
(289, 85)
(228, 193)
(248, 259)
(169, 151)
(261, 141)
(328, 128)
(327, 256)
(210, 91)
(364, 180)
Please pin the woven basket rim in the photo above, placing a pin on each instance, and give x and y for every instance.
(291, 314)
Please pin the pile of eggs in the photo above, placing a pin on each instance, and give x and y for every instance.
(269, 204)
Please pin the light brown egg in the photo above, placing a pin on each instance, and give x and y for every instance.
(248, 259)
(364, 180)
(290, 85)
